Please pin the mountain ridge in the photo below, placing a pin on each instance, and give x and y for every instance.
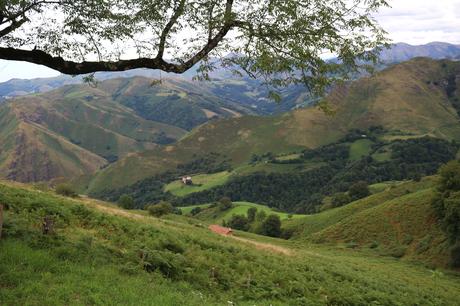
(409, 100)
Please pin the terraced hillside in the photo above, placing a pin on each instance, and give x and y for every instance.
(98, 253)
(413, 99)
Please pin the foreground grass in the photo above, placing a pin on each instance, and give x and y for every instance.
(98, 258)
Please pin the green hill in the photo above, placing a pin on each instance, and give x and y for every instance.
(71, 132)
(413, 99)
(398, 222)
(99, 253)
(214, 215)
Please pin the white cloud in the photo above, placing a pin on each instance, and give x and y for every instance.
(422, 21)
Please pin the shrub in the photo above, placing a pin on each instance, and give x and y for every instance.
(195, 211)
(126, 201)
(66, 190)
(160, 209)
(238, 222)
(449, 177)
(260, 216)
(398, 251)
(455, 256)
(340, 199)
(252, 214)
(358, 190)
(272, 226)
(225, 203)
(373, 245)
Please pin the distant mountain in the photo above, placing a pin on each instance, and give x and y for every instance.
(412, 99)
(74, 130)
(239, 90)
(402, 52)
(246, 94)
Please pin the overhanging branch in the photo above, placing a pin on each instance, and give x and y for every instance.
(74, 68)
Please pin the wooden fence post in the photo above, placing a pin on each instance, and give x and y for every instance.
(48, 225)
(1, 220)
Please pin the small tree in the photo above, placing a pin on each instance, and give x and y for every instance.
(126, 201)
(272, 226)
(238, 222)
(66, 190)
(358, 190)
(195, 211)
(260, 216)
(252, 214)
(160, 209)
(225, 204)
(340, 199)
(449, 177)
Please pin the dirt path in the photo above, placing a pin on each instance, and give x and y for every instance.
(265, 246)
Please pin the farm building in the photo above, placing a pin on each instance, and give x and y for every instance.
(221, 230)
(187, 180)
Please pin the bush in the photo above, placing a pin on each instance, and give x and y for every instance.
(225, 203)
(271, 226)
(455, 256)
(340, 199)
(252, 214)
(66, 190)
(449, 177)
(195, 211)
(238, 222)
(358, 191)
(126, 201)
(160, 209)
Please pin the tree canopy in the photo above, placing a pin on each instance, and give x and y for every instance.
(280, 41)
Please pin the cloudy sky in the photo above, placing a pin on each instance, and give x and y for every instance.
(411, 21)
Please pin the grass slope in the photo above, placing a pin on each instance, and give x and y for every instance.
(101, 255)
(399, 222)
(239, 208)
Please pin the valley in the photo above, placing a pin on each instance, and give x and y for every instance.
(348, 200)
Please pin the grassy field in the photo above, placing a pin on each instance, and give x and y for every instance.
(239, 208)
(379, 187)
(100, 254)
(360, 148)
(200, 182)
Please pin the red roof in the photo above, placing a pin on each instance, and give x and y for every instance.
(220, 229)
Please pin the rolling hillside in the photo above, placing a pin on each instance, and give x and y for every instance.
(413, 99)
(70, 132)
(98, 252)
(399, 221)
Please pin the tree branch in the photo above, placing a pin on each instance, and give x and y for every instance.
(70, 67)
(168, 27)
(13, 26)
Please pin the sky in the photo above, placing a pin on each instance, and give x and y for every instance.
(411, 21)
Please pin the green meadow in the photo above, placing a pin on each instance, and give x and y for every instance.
(100, 254)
